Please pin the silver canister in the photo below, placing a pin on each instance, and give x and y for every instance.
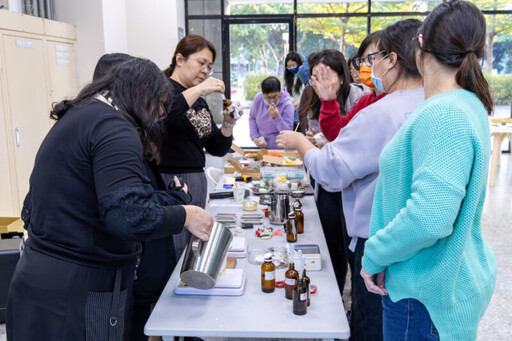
(203, 260)
(279, 208)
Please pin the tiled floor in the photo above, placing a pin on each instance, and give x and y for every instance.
(496, 324)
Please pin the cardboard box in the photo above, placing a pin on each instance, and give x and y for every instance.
(237, 167)
(250, 153)
(277, 158)
(11, 224)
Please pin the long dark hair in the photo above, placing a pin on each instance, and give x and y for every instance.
(107, 62)
(288, 76)
(336, 61)
(398, 38)
(141, 93)
(454, 32)
(190, 44)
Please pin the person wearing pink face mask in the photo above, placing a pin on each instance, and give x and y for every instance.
(330, 121)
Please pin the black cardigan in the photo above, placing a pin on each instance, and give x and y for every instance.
(89, 202)
(182, 149)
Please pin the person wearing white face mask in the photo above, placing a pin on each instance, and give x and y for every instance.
(351, 162)
(330, 120)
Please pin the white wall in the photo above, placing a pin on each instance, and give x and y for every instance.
(14, 5)
(146, 29)
(90, 44)
(152, 29)
(180, 13)
(114, 26)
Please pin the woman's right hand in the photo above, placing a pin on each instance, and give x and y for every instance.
(211, 85)
(259, 143)
(199, 222)
(310, 135)
(325, 84)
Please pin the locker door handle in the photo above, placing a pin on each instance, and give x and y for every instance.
(17, 132)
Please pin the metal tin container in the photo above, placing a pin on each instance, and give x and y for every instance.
(203, 260)
(279, 208)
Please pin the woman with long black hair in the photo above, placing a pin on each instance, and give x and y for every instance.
(435, 271)
(292, 82)
(88, 207)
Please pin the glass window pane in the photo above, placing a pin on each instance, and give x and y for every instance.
(491, 5)
(498, 49)
(322, 6)
(342, 33)
(203, 7)
(211, 30)
(257, 51)
(380, 23)
(235, 7)
(404, 6)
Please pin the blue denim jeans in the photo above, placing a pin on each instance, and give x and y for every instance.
(406, 320)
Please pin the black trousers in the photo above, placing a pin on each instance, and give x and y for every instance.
(330, 210)
(50, 299)
(366, 322)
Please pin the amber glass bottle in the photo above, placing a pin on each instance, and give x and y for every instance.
(290, 279)
(300, 299)
(268, 274)
(297, 204)
(306, 282)
(228, 105)
(299, 220)
(291, 229)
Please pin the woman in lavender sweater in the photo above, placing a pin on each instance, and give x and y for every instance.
(272, 111)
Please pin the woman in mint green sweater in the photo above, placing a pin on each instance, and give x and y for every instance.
(426, 252)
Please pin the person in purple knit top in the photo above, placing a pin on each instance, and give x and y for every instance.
(271, 112)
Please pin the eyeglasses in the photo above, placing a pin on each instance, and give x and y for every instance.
(204, 66)
(272, 98)
(368, 60)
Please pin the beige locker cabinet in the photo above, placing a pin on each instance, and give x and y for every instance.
(27, 102)
(7, 205)
(62, 71)
(37, 67)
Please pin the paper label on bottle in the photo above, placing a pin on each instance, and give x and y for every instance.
(289, 281)
(304, 296)
(270, 275)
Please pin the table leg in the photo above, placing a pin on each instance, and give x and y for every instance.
(495, 156)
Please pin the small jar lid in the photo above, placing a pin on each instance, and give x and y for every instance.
(268, 257)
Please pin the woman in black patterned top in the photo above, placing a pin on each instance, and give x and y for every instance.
(189, 124)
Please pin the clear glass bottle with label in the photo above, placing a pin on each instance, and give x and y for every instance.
(268, 274)
(306, 280)
(300, 299)
(290, 279)
(291, 229)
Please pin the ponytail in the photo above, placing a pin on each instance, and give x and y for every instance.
(470, 77)
(170, 69)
